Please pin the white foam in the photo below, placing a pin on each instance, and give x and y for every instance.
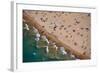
(45, 38)
(73, 56)
(63, 50)
(26, 27)
(35, 30)
(37, 35)
(34, 53)
(47, 49)
(37, 39)
(56, 47)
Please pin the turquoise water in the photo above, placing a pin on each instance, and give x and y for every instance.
(32, 53)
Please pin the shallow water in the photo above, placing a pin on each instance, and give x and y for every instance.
(35, 51)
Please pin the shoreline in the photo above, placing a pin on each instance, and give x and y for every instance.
(52, 37)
